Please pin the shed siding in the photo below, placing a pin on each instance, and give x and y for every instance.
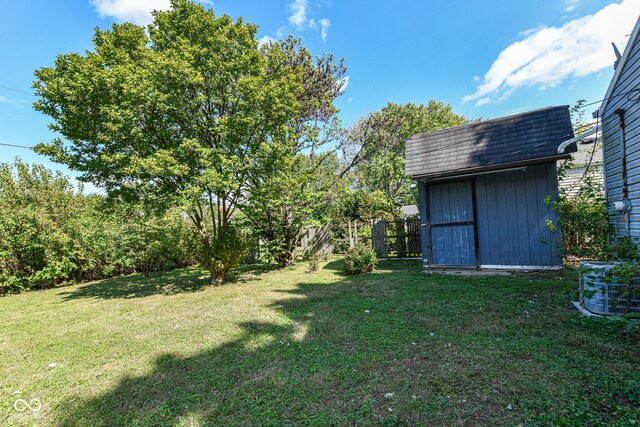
(424, 231)
(512, 217)
(621, 97)
(449, 204)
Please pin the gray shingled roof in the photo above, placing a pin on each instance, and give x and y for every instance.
(491, 144)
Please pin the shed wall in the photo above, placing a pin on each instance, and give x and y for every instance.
(624, 96)
(511, 217)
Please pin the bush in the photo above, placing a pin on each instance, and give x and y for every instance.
(51, 234)
(229, 246)
(314, 264)
(584, 225)
(581, 208)
(360, 259)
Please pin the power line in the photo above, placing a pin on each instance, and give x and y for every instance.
(18, 90)
(17, 146)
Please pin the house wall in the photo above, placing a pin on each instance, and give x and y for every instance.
(623, 97)
(511, 219)
(588, 159)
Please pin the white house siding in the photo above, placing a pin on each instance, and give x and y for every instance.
(624, 95)
(583, 162)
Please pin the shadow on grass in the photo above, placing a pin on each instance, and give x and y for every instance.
(172, 282)
(384, 264)
(278, 373)
(359, 352)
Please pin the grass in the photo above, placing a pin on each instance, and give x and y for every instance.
(286, 347)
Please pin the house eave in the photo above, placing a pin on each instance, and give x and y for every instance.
(620, 66)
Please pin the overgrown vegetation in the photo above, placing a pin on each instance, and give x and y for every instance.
(582, 218)
(582, 211)
(51, 233)
(360, 259)
(393, 347)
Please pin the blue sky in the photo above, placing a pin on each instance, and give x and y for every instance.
(487, 58)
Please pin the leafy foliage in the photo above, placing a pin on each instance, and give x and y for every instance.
(172, 116)
(52, 234)
(289, 182)
(583, 221)
(364, 205)
(582, 216)
(228, 248)
(360, 259)
(377, 145)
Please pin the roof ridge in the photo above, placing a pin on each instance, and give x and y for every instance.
(489, 121)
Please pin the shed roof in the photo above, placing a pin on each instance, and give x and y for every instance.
(525, 138)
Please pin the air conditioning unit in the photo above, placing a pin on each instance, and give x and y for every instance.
(600, 294)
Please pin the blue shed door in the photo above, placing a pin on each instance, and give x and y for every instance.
(451, 224)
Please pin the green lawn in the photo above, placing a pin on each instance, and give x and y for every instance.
(293, 348)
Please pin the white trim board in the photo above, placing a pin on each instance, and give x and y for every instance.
(522, 267)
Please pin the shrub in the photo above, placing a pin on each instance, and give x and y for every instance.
(51, 233)
(229, 246)
(360, 259)
(314, 264)
(584, 225)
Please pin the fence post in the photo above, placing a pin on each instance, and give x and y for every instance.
(401, 244)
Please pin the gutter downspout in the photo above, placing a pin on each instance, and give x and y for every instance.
(625, 186)
(562, 147)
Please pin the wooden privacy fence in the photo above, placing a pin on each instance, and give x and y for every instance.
(399, 238)
(316, 242)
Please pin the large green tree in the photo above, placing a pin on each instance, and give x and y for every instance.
(174, 114)
(297, 165)
(376, 145)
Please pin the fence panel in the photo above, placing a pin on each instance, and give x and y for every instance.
(400, 239)
(316, 241)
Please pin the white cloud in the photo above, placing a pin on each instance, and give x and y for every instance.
(546, 56)
(10, 101)
(264, 40)
(136, 11)
(324, 28)
(570, 5)
(345, 82)
(298, 13)
(300, 19)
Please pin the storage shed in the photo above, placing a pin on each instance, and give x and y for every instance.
(482, 190)
(619, 117)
